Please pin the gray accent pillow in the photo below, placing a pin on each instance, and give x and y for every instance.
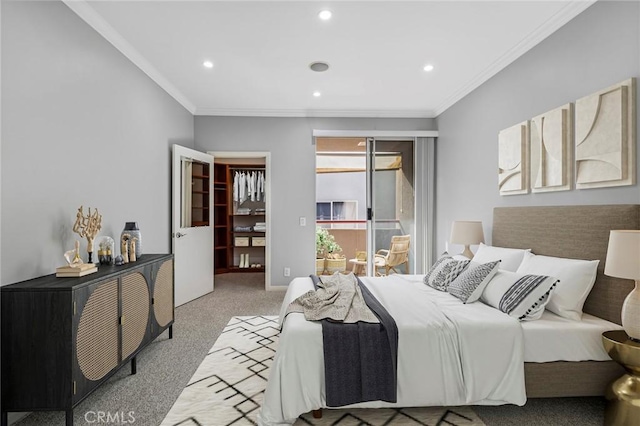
(521, 296)
(514, 301)
(444, 271)
(468, 286)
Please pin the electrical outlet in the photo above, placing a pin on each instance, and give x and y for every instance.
(287, 272)
(303, 221)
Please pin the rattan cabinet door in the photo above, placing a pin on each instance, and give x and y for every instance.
(163, 296)
(96, 335)
(135, 312)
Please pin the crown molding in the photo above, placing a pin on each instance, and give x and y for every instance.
(564, 15)
(321, 133)
(84, 10)
(97, 22)
(325, 113)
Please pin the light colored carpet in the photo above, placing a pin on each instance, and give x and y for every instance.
(228, 387)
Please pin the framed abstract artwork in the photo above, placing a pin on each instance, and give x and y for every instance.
(551, 150)
(513, 160)
(606, 137)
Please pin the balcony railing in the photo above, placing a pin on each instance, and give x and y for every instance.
(359, 224)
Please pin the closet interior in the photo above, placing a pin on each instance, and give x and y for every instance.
(239, 215)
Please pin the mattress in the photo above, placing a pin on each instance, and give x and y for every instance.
(553, 338)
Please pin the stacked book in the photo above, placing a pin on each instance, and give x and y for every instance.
(243, 210)
(76, 271)
(260, 227)
(259, 211)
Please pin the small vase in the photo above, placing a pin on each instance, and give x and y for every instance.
(131, 228)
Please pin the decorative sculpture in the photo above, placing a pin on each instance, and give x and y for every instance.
(513, 148)
(132, 249)
(73, 256)
(124, 247)
(551, 156)
(88, 227)
(605, 137)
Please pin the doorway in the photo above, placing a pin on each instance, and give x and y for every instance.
(365, 196)
(242, 219)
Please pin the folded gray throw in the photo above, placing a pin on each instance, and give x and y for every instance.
(360, 359)
(337, 297)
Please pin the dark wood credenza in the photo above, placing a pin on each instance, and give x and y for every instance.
(63, 337)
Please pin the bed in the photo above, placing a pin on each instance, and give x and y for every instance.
(578, 232)
(433, 375)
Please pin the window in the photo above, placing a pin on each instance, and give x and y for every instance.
(337, 210)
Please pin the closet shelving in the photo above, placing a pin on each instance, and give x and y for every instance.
(254, 251)
(220, 217)
(230, 244)
(200, 194)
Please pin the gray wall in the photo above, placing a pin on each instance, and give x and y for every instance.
(82, 125)
(290, 142)
(350, 186)
(598, 48)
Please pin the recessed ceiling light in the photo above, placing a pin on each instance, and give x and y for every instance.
(319, 66)
(207, 64)
(317, 94)
(428, 68)
(325, 15)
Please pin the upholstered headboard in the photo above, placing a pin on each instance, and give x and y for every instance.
(578, 232)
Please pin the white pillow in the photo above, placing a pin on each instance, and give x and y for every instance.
(522, 296)
(510, 258)
(576, 280)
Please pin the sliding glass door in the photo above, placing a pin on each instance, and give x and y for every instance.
(366, 200)
(390, 206)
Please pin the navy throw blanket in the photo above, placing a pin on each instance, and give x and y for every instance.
(361, 359)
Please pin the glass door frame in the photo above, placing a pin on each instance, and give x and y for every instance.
(370, 162)
(371, 226)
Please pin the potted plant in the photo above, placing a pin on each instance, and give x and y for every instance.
(328, 257)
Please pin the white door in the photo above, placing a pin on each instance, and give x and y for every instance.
(192, 223)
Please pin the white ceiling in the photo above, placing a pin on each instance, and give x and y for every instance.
(261, 51)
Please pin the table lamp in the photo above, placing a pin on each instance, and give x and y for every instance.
(623, 261)
(467, 233)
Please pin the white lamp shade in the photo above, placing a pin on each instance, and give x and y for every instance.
(623, 254)
(466, 232)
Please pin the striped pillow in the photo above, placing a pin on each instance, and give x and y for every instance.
(445, 270)
(469, 285)
(521, 296)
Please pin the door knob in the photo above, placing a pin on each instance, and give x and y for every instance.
(178, 235)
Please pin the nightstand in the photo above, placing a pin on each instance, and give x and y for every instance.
(623, 395)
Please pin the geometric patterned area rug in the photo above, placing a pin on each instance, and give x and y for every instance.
(227, 388)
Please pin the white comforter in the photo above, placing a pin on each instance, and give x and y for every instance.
(448, 353)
